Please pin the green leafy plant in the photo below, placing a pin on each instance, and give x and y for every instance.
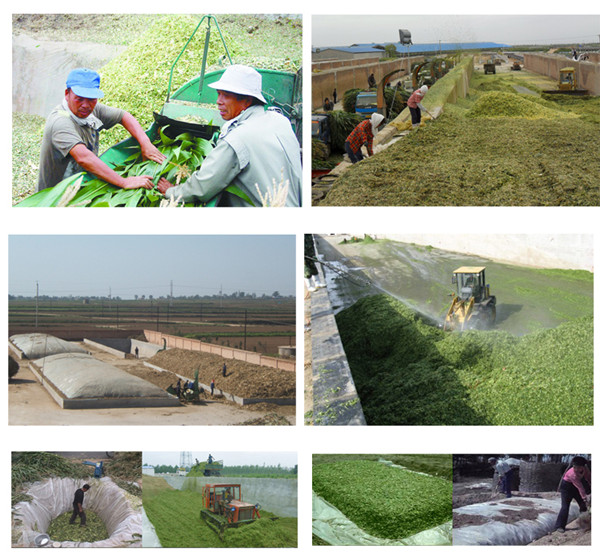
(61, 530)
(384, 501)
(183, 155)
(409, 371)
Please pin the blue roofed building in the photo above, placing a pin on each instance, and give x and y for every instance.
(369, 50)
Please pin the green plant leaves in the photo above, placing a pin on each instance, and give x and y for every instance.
(184, 154)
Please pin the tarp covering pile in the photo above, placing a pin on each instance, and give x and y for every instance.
(403, 507)
(331, 525)
(119, 512)
(39, 345)
(514, 521)
(81, 376)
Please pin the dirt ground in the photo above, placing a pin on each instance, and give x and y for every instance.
(31, 404)
(477, 491)
(242, 379)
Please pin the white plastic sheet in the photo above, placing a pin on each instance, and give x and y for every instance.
(498, 531)
(331, 525)
(120, 512)
(149, 537)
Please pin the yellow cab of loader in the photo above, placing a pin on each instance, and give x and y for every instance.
(472, 305)
(568, 79)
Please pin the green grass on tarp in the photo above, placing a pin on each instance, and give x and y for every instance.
(384, 501)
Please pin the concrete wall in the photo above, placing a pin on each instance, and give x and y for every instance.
(588, 72)
(277, 495)
(571, 251)
(335, 399)
(350, 77)
(341, 63)
(225, 352)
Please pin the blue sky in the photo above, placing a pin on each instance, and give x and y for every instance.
(126, 265)
(343, 30)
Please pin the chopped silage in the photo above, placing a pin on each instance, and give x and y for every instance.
(410, 372)
(504, 104)
(386, 502)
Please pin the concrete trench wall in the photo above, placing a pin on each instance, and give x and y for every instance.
(40, 70)
(277, 495)
(123, 346)
(53, 497)
(230, 396)
(588, 72)
(183, 343)
(349, 77)
(570, 251)
(336, 401)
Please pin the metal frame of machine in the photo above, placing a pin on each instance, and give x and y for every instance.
(472, 305)
(223, 508)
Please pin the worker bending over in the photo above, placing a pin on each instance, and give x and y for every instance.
(363, 135)
(415, 106)
(576, 484)
(72, 134)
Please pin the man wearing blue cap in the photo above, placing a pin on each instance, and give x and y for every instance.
(72, 132)
(257, 150)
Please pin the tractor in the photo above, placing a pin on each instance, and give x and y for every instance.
(567, 83)
(472, 305)
(223, 508)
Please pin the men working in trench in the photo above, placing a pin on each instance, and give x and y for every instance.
(78, 505)
(72, 133)
(257, 150)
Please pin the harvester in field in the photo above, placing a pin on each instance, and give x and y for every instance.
(472, 305)
(223, 508)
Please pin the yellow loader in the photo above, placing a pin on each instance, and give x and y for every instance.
(472, 305)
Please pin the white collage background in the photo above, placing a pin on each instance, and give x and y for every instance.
(303, 440)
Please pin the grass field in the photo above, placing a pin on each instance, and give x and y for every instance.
(175, 515)
(266, 323)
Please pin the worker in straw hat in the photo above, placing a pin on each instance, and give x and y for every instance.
(363, 135)
(415, 106)
(256, 149)
(72, 133)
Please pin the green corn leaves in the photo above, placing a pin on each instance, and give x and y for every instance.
(183, 155)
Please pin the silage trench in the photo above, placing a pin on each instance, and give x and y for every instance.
(501, 161)
(243, 379)
(409, 372)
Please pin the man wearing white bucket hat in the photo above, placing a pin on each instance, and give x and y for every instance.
(257, 149)
(362, 135)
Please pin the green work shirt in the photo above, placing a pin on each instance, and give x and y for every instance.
(62, 134)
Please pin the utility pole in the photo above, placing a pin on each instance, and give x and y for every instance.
(245, 325)
(170, 302)
(37, 296)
